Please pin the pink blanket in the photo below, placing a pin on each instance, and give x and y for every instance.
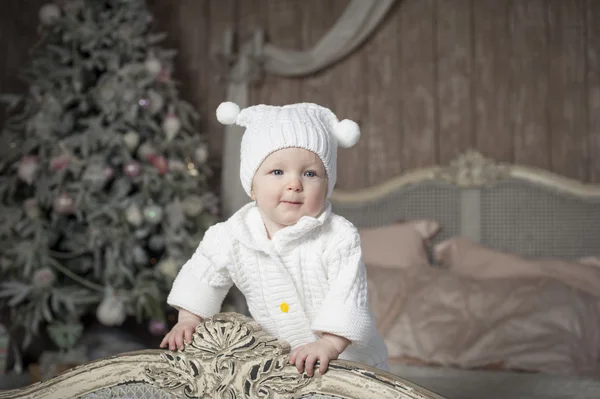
(484, 312)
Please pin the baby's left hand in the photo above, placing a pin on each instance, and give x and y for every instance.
(305, 356)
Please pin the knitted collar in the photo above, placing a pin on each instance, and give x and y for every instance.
(248, 227)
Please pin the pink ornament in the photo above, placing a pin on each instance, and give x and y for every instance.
(157, 327)
(43, 278)
(59, 163)
(63, 204)
(159, 162)
(132, 169)
(164, 75)
(108, 173)
(144, 103)
(27, 168)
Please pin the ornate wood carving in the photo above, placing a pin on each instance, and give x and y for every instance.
(230, 356)
(226, 352)
(471, 169)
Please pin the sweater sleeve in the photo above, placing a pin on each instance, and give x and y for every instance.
(203, 282)
(345, 309)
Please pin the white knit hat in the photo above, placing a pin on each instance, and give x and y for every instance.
(271, 128)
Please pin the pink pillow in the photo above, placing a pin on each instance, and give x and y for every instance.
(399, 245)
(467, 258)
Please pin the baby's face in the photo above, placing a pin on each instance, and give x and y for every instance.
(289, 184)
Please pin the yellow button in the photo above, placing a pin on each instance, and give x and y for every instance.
(284, 307)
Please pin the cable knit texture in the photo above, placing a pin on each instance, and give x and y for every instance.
(314, 267)
(270, 128)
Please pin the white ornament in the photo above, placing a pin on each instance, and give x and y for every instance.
(27, 168)
(201, 154)
(347, 133)
(131, 139)
(153, 66)
(156, 102)
(171, 126)
(168, 268)
(192, 205)
(227, 113)
(134, 215)
(49, 14)
(111, 311)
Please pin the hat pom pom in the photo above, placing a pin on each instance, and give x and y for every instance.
(227, 113)
(347, 133)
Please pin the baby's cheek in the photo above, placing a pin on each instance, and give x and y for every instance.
(315, 207)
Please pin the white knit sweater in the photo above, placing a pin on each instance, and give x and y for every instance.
(309, 278)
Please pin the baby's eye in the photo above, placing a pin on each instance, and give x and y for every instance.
(277, 172)
(310, 173)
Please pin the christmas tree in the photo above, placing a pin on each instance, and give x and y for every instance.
(104, 179)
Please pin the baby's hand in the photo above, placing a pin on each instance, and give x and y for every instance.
(305, 356)
(184, 328)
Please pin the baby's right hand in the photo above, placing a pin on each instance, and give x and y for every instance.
(184, 328)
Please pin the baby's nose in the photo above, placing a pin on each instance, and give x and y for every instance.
(295, 185)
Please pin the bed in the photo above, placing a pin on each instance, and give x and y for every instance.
(501, 296)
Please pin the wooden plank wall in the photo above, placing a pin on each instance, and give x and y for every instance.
(518, 80)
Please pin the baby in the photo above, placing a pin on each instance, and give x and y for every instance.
(298, 265)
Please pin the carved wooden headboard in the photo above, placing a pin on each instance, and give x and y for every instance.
(230, 357)
(508, 207)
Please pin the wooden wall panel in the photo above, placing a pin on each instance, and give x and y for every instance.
(454, 99)
(567, 113)
(221, 16)
(491, 79)
(251, 15)
(284, 21)
(348, 85)
(317, 18)
(528, 68)
(417, 85)
(593, 81)
(382, 120)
